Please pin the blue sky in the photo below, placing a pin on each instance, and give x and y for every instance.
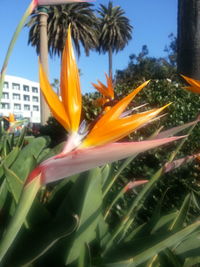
(152, 20)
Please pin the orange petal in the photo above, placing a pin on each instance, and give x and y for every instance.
(192, 89)
(98, 88)
(52, 100)
(117, 109)
(11, 117)
(100, 101)
(106, 91)
(191, 81)
(102, 89)
(117, 129)
(70, 85)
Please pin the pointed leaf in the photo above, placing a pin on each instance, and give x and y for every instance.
(3, 194)
(13, 41)
(182, 214)
(88, 208)
(19, 217)
(176, 129)
(9, 159)
(170, 241)
(15, 184)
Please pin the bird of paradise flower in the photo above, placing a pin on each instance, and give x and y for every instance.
(87, 149)
(194, 85)
(13, 123)
(107, 92)
(84, 149)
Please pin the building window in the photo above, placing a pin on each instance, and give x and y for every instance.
(15, 86)
(5, 106)
(35, 99)
(17, 106)
(26, 98)
(16, 96)
(19, 116)
(34, 89)
(26, 107)
(5, 85)
(26, 88)
(5, 95)
(35, 108)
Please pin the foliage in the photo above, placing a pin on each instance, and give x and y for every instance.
(171, 50)
(83, 27)
(54, 130)
(142, 67)
(184, 108)
(115, 28)
(67, 225)
(96, 218)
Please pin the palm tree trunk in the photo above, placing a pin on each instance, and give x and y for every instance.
(110, 61)
(45, 112)
(188, 38)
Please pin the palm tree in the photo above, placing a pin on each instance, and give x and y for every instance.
(115, 31)
(188, 38)
(83, 27)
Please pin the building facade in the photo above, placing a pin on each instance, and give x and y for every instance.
(22, 98)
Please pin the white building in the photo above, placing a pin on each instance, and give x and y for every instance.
(22, 98)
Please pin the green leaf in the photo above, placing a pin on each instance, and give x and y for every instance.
(47, 153)
(9, 159)
(25, 163)
(86, 202)
(105, 171)
(168, 258)
(3, 194)
(154, 249)
(189, 247)
(40, 241)
(114, 177)
(136, 205)
(84, 258)
(163, 223)
(16, 179)
(15, 184)
(6, 145)
(191, 261)
(19, 217)
(103, 234)
(59, 193)
(195, 200)
(20, 140)
(182, 214)
(154, 225)
(12, 43)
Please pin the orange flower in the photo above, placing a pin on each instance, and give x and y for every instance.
(85, 150)
(68, 110)
(11, 118)
(106, 91)
(194, 84)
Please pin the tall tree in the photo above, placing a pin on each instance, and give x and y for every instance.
(188, 38)
(83, 27)
(115, 30)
